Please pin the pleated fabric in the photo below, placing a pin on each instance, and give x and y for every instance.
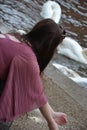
(23, 90)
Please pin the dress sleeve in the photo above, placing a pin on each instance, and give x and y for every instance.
(23, 90)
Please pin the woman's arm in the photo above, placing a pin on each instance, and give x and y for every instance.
(46, 112)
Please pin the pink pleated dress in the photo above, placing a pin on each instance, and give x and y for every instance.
(23, 90)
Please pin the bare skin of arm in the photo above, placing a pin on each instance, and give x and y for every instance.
(53, 118)
(45, 110)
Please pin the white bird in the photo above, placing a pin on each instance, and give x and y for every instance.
(82, 81)
(52, 10)
(72, 49)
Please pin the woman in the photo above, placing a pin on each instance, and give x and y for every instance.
(22, 60)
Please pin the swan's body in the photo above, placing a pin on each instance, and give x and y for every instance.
(70, 48)
(82, 81)
(52, 10)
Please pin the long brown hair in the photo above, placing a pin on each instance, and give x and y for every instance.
(45, 36)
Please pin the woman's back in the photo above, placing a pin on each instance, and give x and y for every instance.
(9, 49)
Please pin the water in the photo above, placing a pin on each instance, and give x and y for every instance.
(74, 19)
(27, 12)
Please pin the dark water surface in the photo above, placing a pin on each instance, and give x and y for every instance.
(23, 14)
(74, 17)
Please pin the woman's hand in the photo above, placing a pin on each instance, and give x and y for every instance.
(45, 110)
(53, 118)
(60, 118)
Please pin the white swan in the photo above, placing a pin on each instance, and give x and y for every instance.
(82, 81)
(72, 49)
(52, 10)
